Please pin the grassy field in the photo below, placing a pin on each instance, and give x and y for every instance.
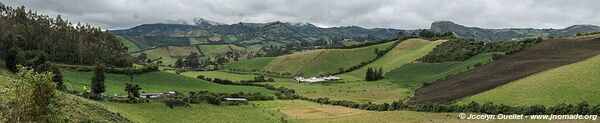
(383, 91)
(405, 52)
(269, 112)
(159, 52)
(131, 47)
(569, 84)
(380, 91)
(315, 62)
(415, 74)
(175, 51)
(258, 64)
(214, 50)
(157, 112)
(155, 82)
(223, 75)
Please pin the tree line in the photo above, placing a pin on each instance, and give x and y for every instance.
(459, 49)
(62, 41)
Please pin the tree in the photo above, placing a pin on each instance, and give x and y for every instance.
(34, 97)
(369, 74)
(58, 79)
(179, 63)
(97, 84)
(14, 57)
(133, 91)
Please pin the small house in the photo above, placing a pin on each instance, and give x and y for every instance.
(316, 79)
(235, 100)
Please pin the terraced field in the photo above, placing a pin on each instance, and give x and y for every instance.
(154, 82)
(568, 84)
(415, 74)
(315, 62)
(546, 55)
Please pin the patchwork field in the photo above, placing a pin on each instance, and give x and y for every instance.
(175, 51)
(568, 84)
(224, 75)
(148, 42)
(159, 52)
(214, 50)
(405, 52)
(415, 74)
(546, 55)
(154, 82)
(257, 64)
(315, 62)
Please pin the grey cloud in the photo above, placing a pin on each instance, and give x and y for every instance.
(403, 14)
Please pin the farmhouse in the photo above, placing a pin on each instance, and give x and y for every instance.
(235, 100)
(157, 95)
(316, 79)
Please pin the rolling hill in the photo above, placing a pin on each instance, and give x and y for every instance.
(570, 84)
(546, 55)
(253, 64)
(246, 34)
(322, 61)
(403, 53)
(508, 34)
(416, 74)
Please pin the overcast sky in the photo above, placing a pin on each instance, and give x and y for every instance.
(401, 14)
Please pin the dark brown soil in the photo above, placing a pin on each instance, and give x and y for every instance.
(543, 56)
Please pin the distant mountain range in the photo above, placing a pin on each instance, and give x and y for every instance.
(508, 34)
(283, 33)
(273, 33)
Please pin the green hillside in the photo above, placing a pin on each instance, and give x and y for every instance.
(254, 64)
(131, 47)
(415, 74)
(569, 84)
(159, 52)
(405, 52)
(214, 50)
(154, 82)
(315, 62)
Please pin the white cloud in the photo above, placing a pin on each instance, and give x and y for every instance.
(403, 14)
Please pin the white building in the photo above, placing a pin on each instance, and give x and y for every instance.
(316, 79)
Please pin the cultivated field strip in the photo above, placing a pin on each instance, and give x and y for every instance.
(545, 55)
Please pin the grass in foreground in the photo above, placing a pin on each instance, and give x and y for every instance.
(415, 74)
(405, 52)
(568, 84)
(155, 82)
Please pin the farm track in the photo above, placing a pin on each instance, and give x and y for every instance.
(543, 56)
